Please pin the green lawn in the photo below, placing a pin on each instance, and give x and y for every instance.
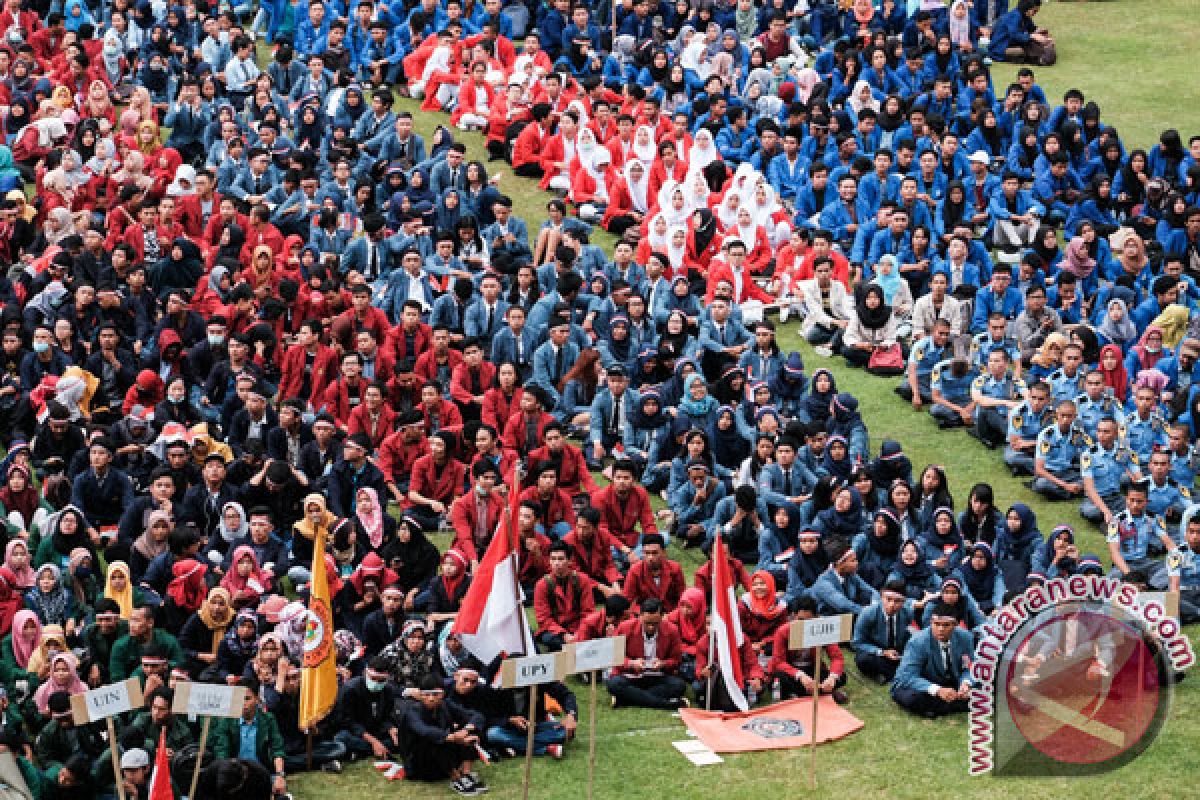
(1099, 44)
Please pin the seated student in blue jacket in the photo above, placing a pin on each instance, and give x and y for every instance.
(934, 677)
(1016, 37)
(840, 590)
(882, 632)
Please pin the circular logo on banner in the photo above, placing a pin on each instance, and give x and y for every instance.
(1084, 688)
(774, 728)
(318, 636)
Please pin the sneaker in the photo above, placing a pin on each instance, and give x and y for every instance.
(477, 784)
(396, 773)
(840, 697)
(823, 350)
(785, 311)
(613, 698)
(555, 750)
(334, 767)
(462, 787)
(383, 766)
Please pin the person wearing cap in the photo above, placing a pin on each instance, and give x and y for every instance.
(934, 676)
(610, 416)
(695, 502)
(553, 359)
(882, 631)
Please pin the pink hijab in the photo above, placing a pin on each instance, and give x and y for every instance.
(22, 650)
(372, 523)
(24, 576)
(74, 685)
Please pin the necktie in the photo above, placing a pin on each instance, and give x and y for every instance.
(480, 519)
(403, 150)
(722, 332)
(491, 319)
(559, 357)
(372, 259)
(946, 659)
(258, 185)
(520, 350)
(616, 415)
(454, 176)
(891, 632)
(531, 433)
(787, 482)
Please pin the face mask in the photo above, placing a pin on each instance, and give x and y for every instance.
(175, 398)
(83, 573)
(374, 686)
(1152, 349)
(216, 340)
(41, 347)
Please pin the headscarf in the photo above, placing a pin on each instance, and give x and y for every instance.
(7, 170)
(22, 650)
(729, 447)
(919, 572)
(890, 283)
(1042, 356)
(372, 567)
(239, 647)
(1077, 260)
(123, 599)
(234, 535)
(41, 697)
(1174, 324)
(187, 587)
(1117, 378)
(40, 656)
(770, 606)
(50, 606)
(372, 523)
(305, 527)
(941, 541)
(10, 599)
(960, 27)
(873, 319)
(216, 624)
(809, 567)
(1048, 545)
(24, 502)
(817, 403)
(841, 468)
(1146, 359)
(452, 585)
(692, 628)
(1122, 332)
(257, 581)
(979, 582)
(887, 545)
(145, 544)
(841, 524)
(696, 408)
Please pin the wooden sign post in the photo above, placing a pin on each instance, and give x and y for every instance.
(531, 671)
(105, 703)
(592, 657)
(206, 700)
(817, 633)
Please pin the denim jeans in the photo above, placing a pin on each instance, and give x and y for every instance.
(547, 733)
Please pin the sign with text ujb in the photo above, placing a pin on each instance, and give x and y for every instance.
(107, 701)
(531, 670)
(820, 631)
(595, 654)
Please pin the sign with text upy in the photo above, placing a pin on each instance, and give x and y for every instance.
(820, 631)
(595, 654)
(107, 701)
(532, 670)
(208, 699)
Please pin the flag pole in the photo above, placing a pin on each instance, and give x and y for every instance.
(199, 757)
(592, 736)
(712, 657)
(308, 750)
(116, 760)
(816, 697)
(515, 545)
(531, 729)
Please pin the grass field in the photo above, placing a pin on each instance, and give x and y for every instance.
(1103, 50)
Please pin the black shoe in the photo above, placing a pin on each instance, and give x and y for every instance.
(840, 697)
(334, 767)
(1027, 484)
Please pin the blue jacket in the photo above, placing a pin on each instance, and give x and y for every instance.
(602, 409)
(870, 629)
(735, 334)
(922, 668)
(771, 482)
(1012, 29)
(836, 595)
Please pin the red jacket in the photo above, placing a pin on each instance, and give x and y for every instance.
(443, 483)
(558, 509)
(376, 322)
(324, 370)
(427, 364)
(702, 580)
(560, 605)
(464, 515)
(669, 648)
(758, 627)
(594, 558)
(534, 566)
(573, 474)
(449, 418)
(787, 662)
(527, 148)
(498, 407)
(360, 422)
(396, 457)
(398, 343)
(621, 519)
(514, 431)
(460, 382)
(719, 270)
(751, 669)
(640, 585)
(336, 400)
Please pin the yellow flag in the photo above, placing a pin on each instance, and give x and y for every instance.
(318, 675)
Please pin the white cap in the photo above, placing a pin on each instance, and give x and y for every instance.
(979, 157)
(135, 759)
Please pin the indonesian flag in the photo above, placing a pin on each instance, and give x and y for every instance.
(160, 779)
(492, 619)
(726, 643)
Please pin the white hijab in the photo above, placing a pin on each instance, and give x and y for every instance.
(638, 189)
(703, 151)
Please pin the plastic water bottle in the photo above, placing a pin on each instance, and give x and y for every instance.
(776, 694)
(751, 696)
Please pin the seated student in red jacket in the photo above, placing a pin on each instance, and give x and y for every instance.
(561, 600)
(649, 677)
(533, 548)
(471, 379)
(573, 474)
(591, 550)
(556, 516)
(604, 621)
(624, 507)
(761, 612)
(308, 366)
(523, 430)
(655, 577)
(476, 514)
(440, 414)
(400, 451)
(437, 479)
(373, 416)
(702, 580)
(690, 617)
(754, 678)
(794, 668)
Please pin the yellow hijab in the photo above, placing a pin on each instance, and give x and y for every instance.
(1174, 323)
(41, 656)
(123, 599)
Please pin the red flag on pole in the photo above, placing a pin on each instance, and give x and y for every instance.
(726, 626)
(160, 779)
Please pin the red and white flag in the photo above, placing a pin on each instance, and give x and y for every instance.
(725, 648)
(160, 779)
(492, 619)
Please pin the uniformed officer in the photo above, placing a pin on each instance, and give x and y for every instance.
(1166, 498)
(1145, 428)
(925, 355)
(996, 335)
(1025, 422)
(995, 394)
(1097, 402)
(1055, 466)
(1134, 535)
(1182, 570)
(1066, 382)
(1185, 456)
(1105, 467)
(950, 386)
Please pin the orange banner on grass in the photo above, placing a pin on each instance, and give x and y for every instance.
(776, 727)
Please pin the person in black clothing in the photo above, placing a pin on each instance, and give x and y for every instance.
(383, 625)
(202, 503)
(280, 488)
(352, 472)
(442, 738)
(283, 700)
(368, 706)
(318, 456)
(56, 441)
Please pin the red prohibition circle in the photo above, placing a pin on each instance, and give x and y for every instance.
(1093, 696)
